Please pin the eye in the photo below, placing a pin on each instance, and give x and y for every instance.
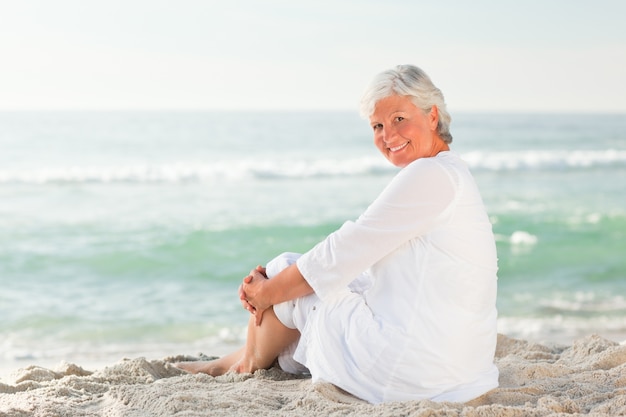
(399, 119)
(377, 126)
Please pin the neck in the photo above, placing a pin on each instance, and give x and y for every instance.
(439, 146)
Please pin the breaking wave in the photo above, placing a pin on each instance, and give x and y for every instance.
(289, 169)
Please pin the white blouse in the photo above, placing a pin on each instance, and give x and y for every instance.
(423, 324)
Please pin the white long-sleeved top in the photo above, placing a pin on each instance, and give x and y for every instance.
(425, 326)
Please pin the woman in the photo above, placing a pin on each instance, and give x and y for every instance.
(400, 304)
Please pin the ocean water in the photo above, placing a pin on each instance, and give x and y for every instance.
(126, 234)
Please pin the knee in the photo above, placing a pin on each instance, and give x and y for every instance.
(281, 262)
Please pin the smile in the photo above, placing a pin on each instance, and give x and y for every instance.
(397, 148)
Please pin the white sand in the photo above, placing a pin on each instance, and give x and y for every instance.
(587, 378)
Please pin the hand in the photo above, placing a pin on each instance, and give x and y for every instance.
(250, 293)
(242, 294)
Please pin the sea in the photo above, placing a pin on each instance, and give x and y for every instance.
(126, 234)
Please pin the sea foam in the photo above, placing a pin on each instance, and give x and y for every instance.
(178, 172)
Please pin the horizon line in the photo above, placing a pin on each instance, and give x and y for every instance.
(298, 110)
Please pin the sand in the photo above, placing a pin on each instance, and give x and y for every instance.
(587, 378)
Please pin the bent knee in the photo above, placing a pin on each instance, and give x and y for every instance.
(281, 262)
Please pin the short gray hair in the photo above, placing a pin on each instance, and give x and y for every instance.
(411, 81)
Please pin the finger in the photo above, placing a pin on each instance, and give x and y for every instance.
(248, 279)
(246, 305)
(258, 317)
(257, 274)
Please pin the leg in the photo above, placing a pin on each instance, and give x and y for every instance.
(263, 345)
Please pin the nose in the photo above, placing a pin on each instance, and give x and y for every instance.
(388, 134)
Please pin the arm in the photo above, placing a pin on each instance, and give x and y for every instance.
(412, 205)
(417, 201)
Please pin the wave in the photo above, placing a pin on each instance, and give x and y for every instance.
(289, 169)
(564, 315)
(518, 238)
(181, 173)
(544, 160)
(561, 329)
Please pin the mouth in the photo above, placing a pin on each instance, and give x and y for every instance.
(399, 147)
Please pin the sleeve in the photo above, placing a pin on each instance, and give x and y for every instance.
(418, 199)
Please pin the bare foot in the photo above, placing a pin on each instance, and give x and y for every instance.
(212, 368)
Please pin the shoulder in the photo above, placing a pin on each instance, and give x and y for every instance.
(424, 180)
(443, 168)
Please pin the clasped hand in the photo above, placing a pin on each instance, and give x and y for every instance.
(250, 293)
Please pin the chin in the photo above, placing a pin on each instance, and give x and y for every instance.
(399, 164)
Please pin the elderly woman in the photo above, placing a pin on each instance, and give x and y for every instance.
(399, 304)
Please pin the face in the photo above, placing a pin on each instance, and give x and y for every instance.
(403, 132)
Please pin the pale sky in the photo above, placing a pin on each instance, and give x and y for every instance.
(485, 55)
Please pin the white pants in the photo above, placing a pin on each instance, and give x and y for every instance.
(294, 313)
(290, 313)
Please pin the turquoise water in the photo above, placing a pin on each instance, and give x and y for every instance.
(127, 234)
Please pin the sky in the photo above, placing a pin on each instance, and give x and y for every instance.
(485, 55)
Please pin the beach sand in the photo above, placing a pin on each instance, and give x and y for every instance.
(586, 378)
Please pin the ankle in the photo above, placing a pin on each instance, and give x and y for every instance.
(244, 366)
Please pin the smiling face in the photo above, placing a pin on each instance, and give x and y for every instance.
(403, 132)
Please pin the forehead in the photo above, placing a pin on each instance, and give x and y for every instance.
(391, 104)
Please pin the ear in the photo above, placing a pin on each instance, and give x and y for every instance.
(433, 117)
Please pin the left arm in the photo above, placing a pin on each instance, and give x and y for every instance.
(411, 205)
(417, 201)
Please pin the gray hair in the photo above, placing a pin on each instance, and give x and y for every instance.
(408, 80)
